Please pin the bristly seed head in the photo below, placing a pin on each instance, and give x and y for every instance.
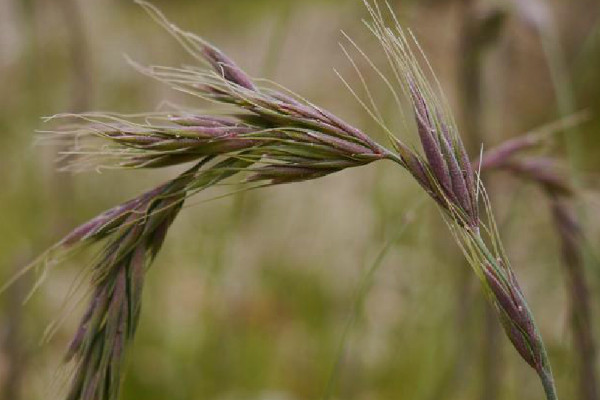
(273, 138)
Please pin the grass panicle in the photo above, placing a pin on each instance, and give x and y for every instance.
(450, 179)
(271, 136)
(287, 138)
(131, 239)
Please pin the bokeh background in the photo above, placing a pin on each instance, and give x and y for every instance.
(263, 295)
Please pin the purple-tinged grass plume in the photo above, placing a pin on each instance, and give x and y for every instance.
(447, 175)
(269, 136)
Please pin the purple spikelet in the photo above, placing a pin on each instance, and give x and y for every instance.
(227, 68)
(515, 316)
(446, 159)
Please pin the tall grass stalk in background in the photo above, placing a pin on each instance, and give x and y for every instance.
(266, 136)
(567, 216)
(540, 17)
(546, 173)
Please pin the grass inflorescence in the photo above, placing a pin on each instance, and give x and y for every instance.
(267, 136)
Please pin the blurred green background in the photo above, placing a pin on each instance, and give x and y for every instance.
(258, 296)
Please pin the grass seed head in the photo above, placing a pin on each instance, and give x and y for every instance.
(271, 137)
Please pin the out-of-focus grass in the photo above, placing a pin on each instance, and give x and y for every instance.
(251, 295)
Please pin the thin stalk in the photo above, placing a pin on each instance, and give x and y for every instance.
(581, 324)
(571, 236)
(12, 343)
(548, 383)
(81, 83)
(361, 293)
